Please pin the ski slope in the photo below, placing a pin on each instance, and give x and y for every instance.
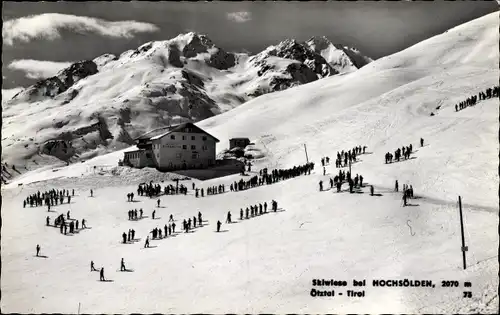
(266, 264)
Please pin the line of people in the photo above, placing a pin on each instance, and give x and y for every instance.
(472, 100)
(259, 180)
(250, 212)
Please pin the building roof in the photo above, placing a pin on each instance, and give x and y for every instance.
(240, 139)
(163, 131)
(155, 132)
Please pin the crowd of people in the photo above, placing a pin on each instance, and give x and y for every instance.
(346, 157)
(341, 178)
(63, 224)
(48, 198)
(472, 100)
(399, 153)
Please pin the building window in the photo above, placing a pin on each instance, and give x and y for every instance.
(184, 147)
(193, 147)
(192, 137)
(195, 155)
(204, 138)
(172, 137)
(205, 147)
(183, 137)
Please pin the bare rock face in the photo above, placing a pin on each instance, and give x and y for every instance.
(222, 60)
(54, 86)
(197, 45)
(300, 74)
(218, 59)
(291, 49)
(61, 149)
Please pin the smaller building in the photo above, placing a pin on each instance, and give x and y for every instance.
(238, 143)
(138, 158)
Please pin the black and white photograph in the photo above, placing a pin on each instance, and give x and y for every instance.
(250, 157)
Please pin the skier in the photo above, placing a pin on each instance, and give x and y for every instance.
(37, 250)
(421, 142)
(396, 187)
(199, 218)
(153, 215)
(320, 185)
(371, 190)
(92, 268)
(228, 220)
(122, 267)
(158, 203)
(171, 218)
(48, 221)
(102, 273)
(404, 200)
(83, 224)
(124, 236)
(146, 244)
(218, 226)
(91, 193)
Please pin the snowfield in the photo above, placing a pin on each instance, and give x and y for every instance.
(266, 264)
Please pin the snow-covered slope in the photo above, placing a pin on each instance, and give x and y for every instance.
(98, 106)
(266, 264)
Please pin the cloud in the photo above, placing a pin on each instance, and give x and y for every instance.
(38, 69)
(239, 17)
(8, 94)
(49, 25)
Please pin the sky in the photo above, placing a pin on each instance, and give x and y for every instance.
(40, 38)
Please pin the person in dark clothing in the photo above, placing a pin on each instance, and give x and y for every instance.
(146, 244)
(421, 142)
(158, 202)
(371, 190)
(218, 226)
(48, 221)
(404, 200)
(153, 215)
(124, 236)
(37, 250)
(92, 268)
(241, 214)
(122, 266)
(102, 273)
(320, 185)
(228, 219)
(396, 186)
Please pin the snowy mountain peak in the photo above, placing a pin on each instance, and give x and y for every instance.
(341, 58)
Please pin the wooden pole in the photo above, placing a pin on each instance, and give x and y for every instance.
(78, 307)
(305, 149)
(464, 248)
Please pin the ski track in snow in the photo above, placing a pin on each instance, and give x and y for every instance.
(266, 264)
